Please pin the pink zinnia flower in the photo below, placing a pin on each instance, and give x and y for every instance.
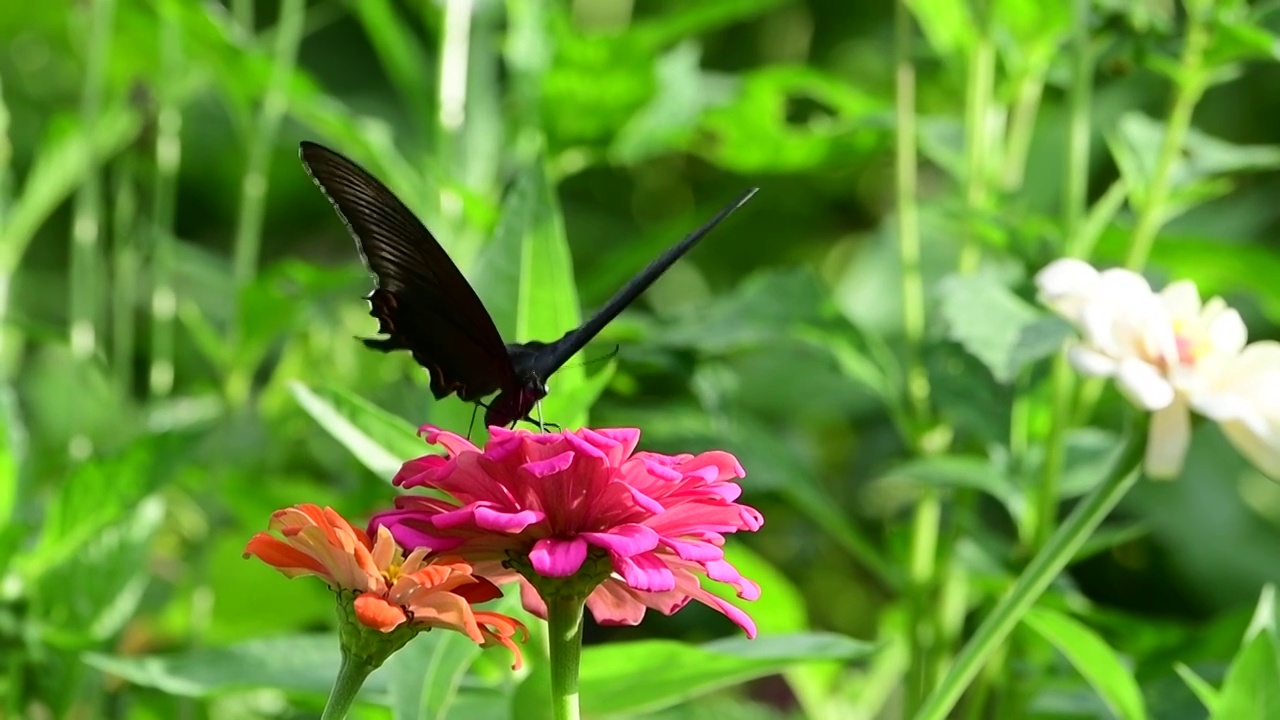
(582, 500)
(390, 591)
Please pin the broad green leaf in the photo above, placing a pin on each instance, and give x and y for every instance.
(766, 307)
(674, 672)
(1092, 658)
(526, 273)
(949, 27)
(954, 471)
(379, 440)
(99, 493)
(671, 116)
(68, 152)
(293, 663)
(753, 133)
(424, 676)
(1089, 452)
(997, 327)
(1251, 688)
(99, 589)
(1038, 29)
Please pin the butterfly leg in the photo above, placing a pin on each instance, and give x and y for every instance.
(471, 425)
(542, 426)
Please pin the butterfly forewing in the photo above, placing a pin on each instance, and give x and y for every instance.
(422, 301)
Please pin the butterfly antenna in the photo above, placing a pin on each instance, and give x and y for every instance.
(573, 341)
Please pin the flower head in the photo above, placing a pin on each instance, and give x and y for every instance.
(1170, 353)
(644, 526)
(386, 591)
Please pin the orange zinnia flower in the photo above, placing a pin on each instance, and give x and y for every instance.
(391, 591)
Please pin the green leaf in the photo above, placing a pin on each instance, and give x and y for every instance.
(671, 116)
(13, 452)
(527, 273)
(407, 63)
(68, 152)
(293, 663)
(954, 471)
(379, 440)
(99, 493)
(766, 307)
(754, 134)
(1206, 693)
(1092, 658)
(997, 327)
(424, 676)
(1251, 688)
(949, 27)
(674, 672)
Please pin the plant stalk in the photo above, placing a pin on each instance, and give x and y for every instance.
(1039, 574)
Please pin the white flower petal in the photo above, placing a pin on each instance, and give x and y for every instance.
(1227, 333)
(1091, 362)
(1229, 407)
(1181, 298)
(1119, 284)
(1260, 449)
(1144, 384)
(1064, 284)
(1167, 441)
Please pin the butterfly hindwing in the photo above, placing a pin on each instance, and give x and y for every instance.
(422, 301)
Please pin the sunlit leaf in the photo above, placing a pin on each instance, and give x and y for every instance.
(674, 672)
(1003, 331)
(378, 439)
(1092, 658)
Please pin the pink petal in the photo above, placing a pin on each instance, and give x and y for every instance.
(550, 466)
(558, 558)
(506, 522)
(646, 572)
(624, 540)
(613, 604)
(722, 571)
(695, 551)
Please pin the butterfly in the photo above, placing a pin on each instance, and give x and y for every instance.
(424, 305)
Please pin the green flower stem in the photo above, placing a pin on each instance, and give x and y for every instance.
(979, 103)
(1192, 80)
(1046, 566)
(1079, 99)
(564, 630)
(351, 676)
(1046, 511)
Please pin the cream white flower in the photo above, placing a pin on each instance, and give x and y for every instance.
(1169, 353)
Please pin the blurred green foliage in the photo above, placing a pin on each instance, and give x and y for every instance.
(178, 307)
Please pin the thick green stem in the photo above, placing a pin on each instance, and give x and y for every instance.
(164, 303)
(86, 263)
(1079, 99)
(1040, 573)
(124, 296)
(351, 676)
(1192, 82)
(1022, 125)
(253, 185)
(928, 512)
(1046, 515)
(977, 134)
(564, 632)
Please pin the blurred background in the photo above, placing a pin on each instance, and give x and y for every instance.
(179, 308)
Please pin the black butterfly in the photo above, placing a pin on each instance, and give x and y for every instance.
(424, 305)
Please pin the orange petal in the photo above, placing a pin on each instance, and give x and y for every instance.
(375, 612)
(284, 557)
